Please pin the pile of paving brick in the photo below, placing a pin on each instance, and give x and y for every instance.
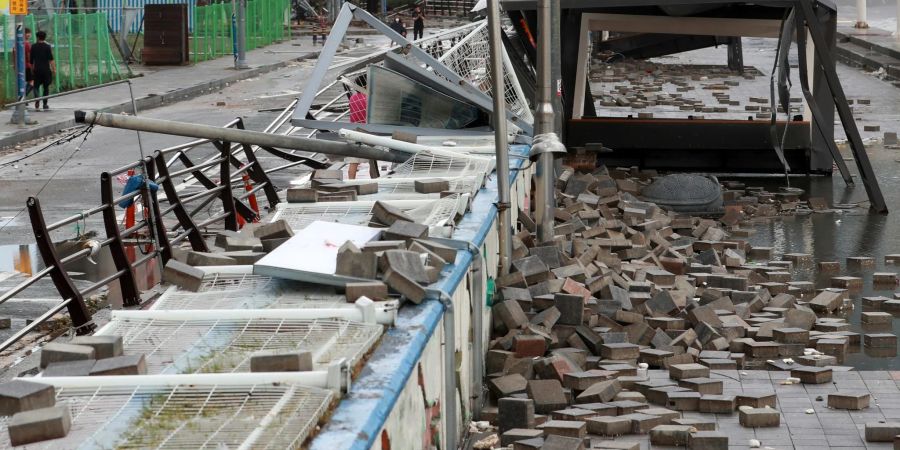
(401, 262)
(35, 414)
(328, 185)
(638, 84)
(627, 287)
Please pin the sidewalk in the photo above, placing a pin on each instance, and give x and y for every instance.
(158, 85)
(870, 48)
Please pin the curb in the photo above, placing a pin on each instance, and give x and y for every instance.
(153, 101)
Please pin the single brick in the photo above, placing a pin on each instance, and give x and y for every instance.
(683, 371)
(507, 385)
(405, 285)
(20, 395)
(566, 428)
(105, 346)
(812, 375)
(121, 365)
(620, 352)
(671, 435)
(200, 259)
(759, 417)
(282, 362)
(387, 214)
(353, 262)
(402, 230)
(848, 401)
(601, 392)
(509, 437)
(683, 401)
(40, 424)
(755, 400)
(608, 426)
(515, 413)
(699, 424)
(530, 346)
(882, 431)
(643, 423)
(375, 290)
(548, 395)
(58, 352)
(431, 185)
(717, 404)
(618, 445)
(182, 275)
(880, 340)
(69, 369)
(708, 440)
(705, 386)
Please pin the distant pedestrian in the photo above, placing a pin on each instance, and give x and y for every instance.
(418, 23)
(43, 67)
(399, 27)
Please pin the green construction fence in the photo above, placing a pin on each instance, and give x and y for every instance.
(81, 48)
(267, 22)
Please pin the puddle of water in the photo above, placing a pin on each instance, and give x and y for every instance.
(835, 236)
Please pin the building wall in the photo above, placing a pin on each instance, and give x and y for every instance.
(421, 405)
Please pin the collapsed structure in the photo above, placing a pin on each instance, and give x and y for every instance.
(373, 313)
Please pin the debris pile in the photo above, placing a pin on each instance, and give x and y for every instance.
(627, 286)
(640, 84)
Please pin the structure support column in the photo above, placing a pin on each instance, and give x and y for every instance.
(501, 142)
(545, 200)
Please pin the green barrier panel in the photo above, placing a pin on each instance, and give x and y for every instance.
(212, 34)
(82, 50)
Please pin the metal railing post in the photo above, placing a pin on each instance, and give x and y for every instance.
(151, 200)
(130, 294)
(78, 311)
(184, 219)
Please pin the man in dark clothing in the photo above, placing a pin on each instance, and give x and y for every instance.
(43, 67)
(418, 23)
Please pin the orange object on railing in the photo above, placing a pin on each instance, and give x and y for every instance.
(252, 198)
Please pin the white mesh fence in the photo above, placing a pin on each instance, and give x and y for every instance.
(191, 417)
(173, 346)
(470, 58)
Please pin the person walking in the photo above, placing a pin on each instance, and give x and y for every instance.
(418, 23)
(358, 103)
(43, 67)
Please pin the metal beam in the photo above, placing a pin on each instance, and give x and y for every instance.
(234, 135)
(876, 199)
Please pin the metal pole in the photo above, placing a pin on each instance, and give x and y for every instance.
(449, 325)
(18, 116)
(861, 14)
(545, 200)
(897, 30)
(261, 139)
(240, 61)
(556, 64)
(151, 215)
(501, 142)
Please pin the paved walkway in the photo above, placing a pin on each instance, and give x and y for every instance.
(825, 428)
(157, 86)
